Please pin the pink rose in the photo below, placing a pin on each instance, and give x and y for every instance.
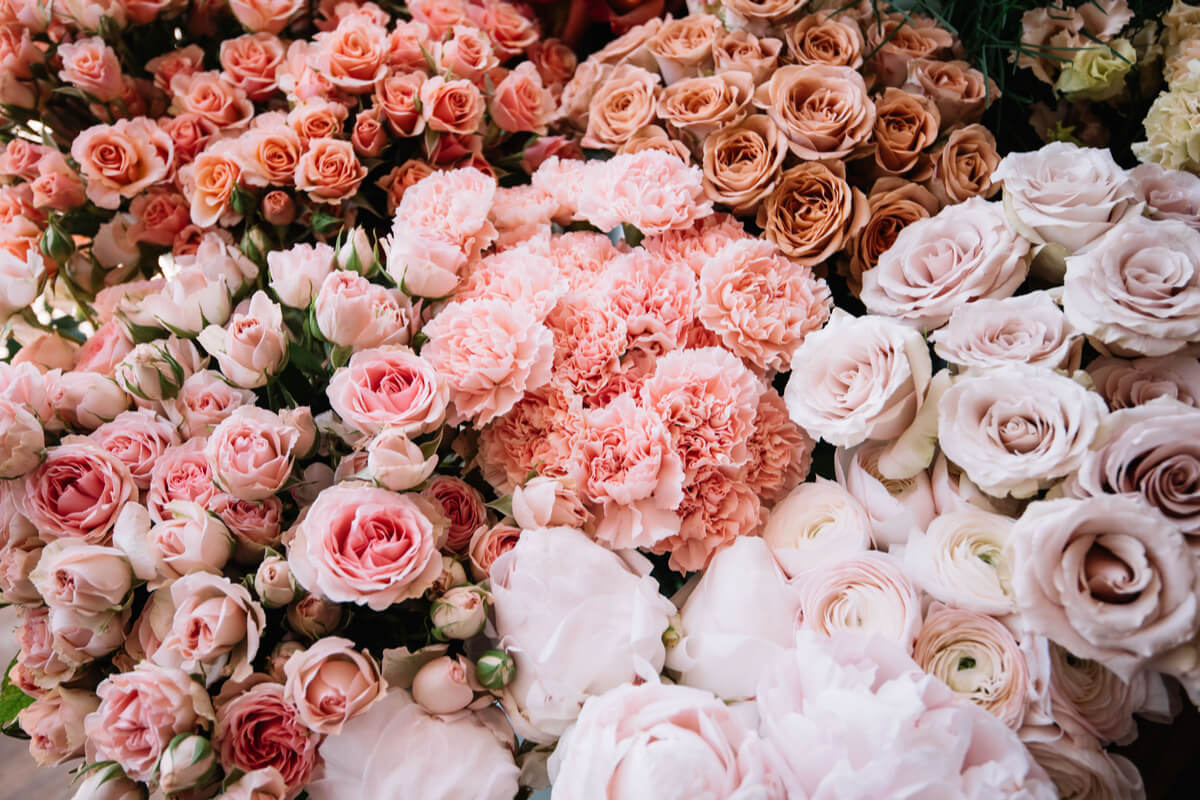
(964, 253)
(397, 96)
(140, 712)
(1026, 329)
(278, 208)
(329, 683)
(384, 387)
(296, 274)
(488, 545)
(38, 658)
(442, 686)
(138, 439)
(622, 737)
(213, 98)
(203, 401)
(254, 524)
(1125, 383)
(490, 353)
(270, 16)
(455, 107)
(352, 312)
(259, 729)
(250, 61)
(897, 507)
(56, 185)
(368, 546)
(396, 462)
(251, 453)
(352, 55)
(858, 378)
(254, 344)
(77, 492)
(267, 155)
(511, 28)
(463, 507)
(90, 579)
(1105, 577)
(1079, 767)
(317, 119)
(121, 160)
(92, 67)
(187, 540)
(22, 440)
(624, 101)
(215, 628)
(329, 170)
(467, 54)
(182, 473)
(369, 137)
(574, 635)
(55, 725)
(521, 102)
(405, 43)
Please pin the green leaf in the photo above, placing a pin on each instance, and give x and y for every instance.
(12, 700)
(323, 223)
(503, 505)
(305, 359)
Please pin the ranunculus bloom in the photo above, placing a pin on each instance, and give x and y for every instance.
(123, 159)
(1015, 429)
(978, 658)
(368, 546)
(1137, 288)
(573, 635)
(78, 491)
(330, 683)
(258, 729)
(858, 378)
(868, 592)
(965, 252)
(1023, 329)
(254, 344)
(215, 628)
(89, 579)
(742, 162)
(140, 712)
(824, 111)
(817, 523)
(1107, 578)
(624, 738)
(622, 104)
(390, 387)
(251, 453)
(961, 558)
(374, 754)
(1065, 195)
(812, 211)
(329, 170)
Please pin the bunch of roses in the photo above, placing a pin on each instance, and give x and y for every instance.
(829, 125)
(1172, 120)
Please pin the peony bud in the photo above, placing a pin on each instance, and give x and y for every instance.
(107, 780)
(188, 761)
(273, 582)
(314, 617)
(459, 614)
(356, 252)
(279, 657)
(396, 462)
(278, 208)
(453, 574)
(443, 686)
(494, 669)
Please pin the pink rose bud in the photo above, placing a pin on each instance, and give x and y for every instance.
(546, 502)
(356, 252)
(22, 440)
(49, 352)
(280, 656)
(443, 686)
(150, 372)
(108, 781)
(86, 400)
(314, 617)
(330, 682)
(278, 208)
(274, 583)
(188, 761)
(313, 478)
(301, 419)
(296, 274)
(453, 574)
(369, 137)
(459, 614)
(396, 462)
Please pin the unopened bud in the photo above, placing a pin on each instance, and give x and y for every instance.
(356, 252)
(314, 617)
(459, 614)
(273, 582)
(57, 244)
(188, 761)
(443, 686)
(495, 669)
(453, 574)
(278, 208)
(107, 780)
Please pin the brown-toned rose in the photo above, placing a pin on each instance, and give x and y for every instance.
(905, 124)
(824, 111)
(623, 105)
(655, 137)
(759, 15)
(740, 51)
(964, 165)
(899, 39)
(893, 204)
(825, 38)
(329, 171)
(812, 211)
(682, 48)
(742, 163)
(961, 92)
(700, 106)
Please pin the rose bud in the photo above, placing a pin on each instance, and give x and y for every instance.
(494, 669)
(107, 780)
(57, 245)
(396, 462)
(278, 208)
(369, 136)
(314, 617)
(356, 252)
(274, 583)
(453, 574)
(188, 761)
(443, 686)
(279, 657)
(301, 419)
(459, 614)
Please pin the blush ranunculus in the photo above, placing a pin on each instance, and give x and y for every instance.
(390, 387)
(868, 593)
(368, 546)
(897, 507)
(961, 558)
(78, 491)
(816, 524)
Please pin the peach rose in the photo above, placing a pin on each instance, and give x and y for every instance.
(91, 66)
(213, 98)
(250, 61)
(203, 401)
(964, 165)
(267, 155)
(329, 170)
(57, 186)
(265, 16)
(467, 54)
(487, 545)
(398, 96)
(812, 212)
(161, 214)
(893, 204)
(741, 51)
(329, 683)
(520, 102)
(961, 92)
(183, 60)
(825, 38)
(964, 253)
(824, 111)
(394, 387)
(121, 160)
(760, 15)
(190, 133)
(368, 137)
(317, 119)
(554, 60)
(742, 162)
(700, 106)
(900, 40)
(455, 107)
(905, 126)
(682, 48)
(400, 179)
(215, 174)
(511, 28)
(352, 55)
(78, 491)
(55, 723)
(623, 103)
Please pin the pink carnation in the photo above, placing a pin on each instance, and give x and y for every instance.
(715, 511)
(650, 190)
(656, 298)
(535, 435)
(582, 257)
(780, 450)
(490, 352)
(523, 274)
(590, 337)
(697, 244)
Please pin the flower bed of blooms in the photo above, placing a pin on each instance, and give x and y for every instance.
(354, 425)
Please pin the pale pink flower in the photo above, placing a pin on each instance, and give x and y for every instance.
(390, 387)
(651, 190)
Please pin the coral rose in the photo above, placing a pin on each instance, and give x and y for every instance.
(123, 159)
(329, 170)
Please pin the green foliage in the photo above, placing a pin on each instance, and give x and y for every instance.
(12, 701)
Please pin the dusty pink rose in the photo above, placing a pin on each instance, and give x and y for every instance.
(352, 312)
(329, 683)
(253, 524)
(395, 387)
(368, 546)
(490, 353)
(296, 274)
(521, 102)
(215, 628)
(251, 453)
(140, 712)
(487, 545)
(964, 253)
(1026, 329)
(1125, 383)
(121, 160)
(1168, 194)
(270, 16)
(78, 491)
(182, 473)
(858, 378)
(463, 507)
(138, 439)
(187, 540)
(253, 346)
(54, 725)
(259, 729)
(624, 102)
(48, 351)
(92, 67)
(1092, 576)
